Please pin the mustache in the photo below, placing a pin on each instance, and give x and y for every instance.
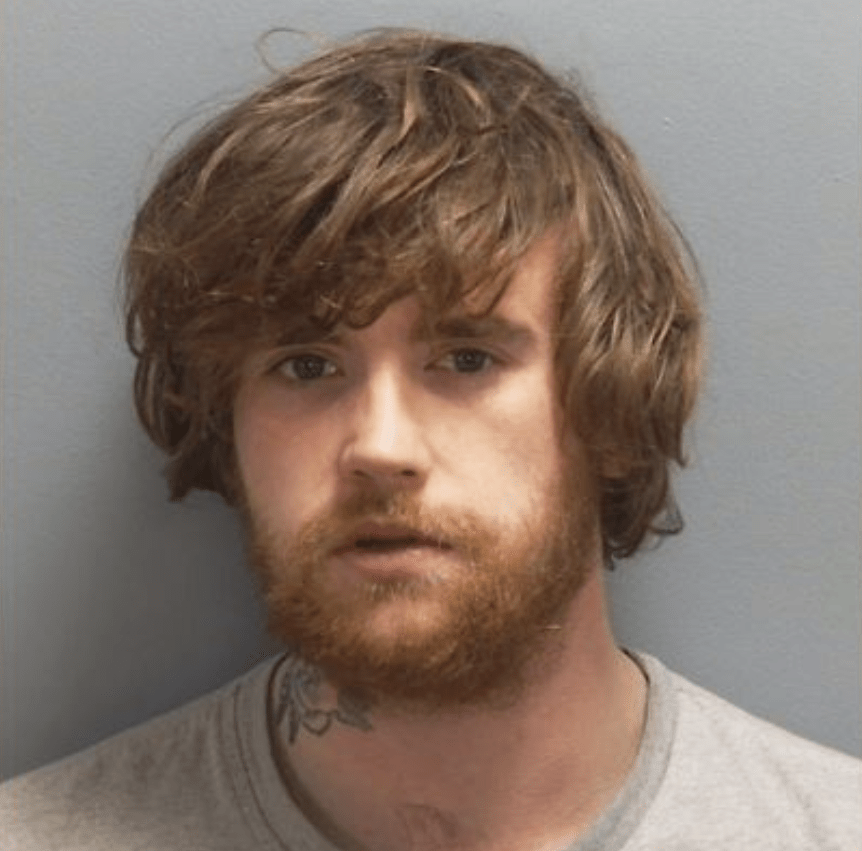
(343, 524)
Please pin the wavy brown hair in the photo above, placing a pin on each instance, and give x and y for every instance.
(404, 162)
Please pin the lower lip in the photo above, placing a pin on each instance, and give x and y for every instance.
(403, 563)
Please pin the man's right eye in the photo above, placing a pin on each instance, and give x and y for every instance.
(306, 367)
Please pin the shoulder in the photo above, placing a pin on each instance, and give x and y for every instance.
(744, 779)
(763, 749)
(144, 788)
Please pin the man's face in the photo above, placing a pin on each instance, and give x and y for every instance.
(416, 516)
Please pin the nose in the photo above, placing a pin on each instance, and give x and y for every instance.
(385, 441)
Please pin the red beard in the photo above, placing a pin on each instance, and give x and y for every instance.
(489, 618)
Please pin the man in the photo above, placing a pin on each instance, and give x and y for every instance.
(414, 311)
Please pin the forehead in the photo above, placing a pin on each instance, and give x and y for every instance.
(525, 300)
(532, 288)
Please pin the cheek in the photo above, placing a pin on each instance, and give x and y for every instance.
(273, 458)
(519, 444)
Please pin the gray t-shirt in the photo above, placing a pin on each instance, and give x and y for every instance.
(708, 776)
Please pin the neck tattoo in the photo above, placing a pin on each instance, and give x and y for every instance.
(299, 697)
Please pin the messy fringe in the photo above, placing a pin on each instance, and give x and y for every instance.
(399, 163)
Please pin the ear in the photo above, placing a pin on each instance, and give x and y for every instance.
(606, 462)
(614, 464)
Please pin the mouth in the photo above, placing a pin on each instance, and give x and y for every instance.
(384, 545)
(386, 538)
(385, 553)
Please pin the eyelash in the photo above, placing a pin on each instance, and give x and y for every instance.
(488, 360)
(283, 365)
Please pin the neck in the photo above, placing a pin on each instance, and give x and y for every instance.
(535, 774)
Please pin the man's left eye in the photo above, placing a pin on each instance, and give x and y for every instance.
(466, 360)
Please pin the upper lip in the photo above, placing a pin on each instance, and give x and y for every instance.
(371, 531)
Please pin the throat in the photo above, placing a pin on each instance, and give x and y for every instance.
(425, 827)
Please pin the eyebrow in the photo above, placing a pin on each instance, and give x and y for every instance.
(454, 327)
(305, 332)
(461, 327)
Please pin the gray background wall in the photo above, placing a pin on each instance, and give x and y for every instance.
(116, 605)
